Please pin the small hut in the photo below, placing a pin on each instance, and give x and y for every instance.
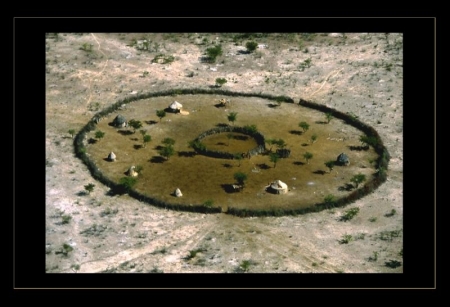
(112, 157)
(175, 107)
(278, 187)
(120, 121)
(177, 193)
(131, 172)
(343, 159)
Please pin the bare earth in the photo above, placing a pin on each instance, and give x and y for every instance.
(359, 73)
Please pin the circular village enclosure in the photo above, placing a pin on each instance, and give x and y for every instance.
(267, 143)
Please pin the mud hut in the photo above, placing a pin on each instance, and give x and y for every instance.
(343, 159)
(120, 121)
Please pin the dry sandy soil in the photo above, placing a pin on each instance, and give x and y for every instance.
(359, 73)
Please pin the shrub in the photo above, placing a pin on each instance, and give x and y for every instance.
(346, 239)
(251, 46)
(349, 214)
(220, 81)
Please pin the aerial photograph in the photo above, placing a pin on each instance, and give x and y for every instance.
(224, 152)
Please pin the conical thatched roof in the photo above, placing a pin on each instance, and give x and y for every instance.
(111, 156)
(177, 193)
(119, 121)
(343, 159)
(132, 172)
(279, 186)
(175, 105)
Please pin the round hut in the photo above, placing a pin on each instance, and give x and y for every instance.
(131, 172)
(175, 107)
(119, 121)
(112, 157)
(343, 159)
(177, 192)
(278, 187)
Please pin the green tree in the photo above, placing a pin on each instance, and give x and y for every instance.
(274, 157)
(168, 141)
(238, 157)
(313, 138)
(368, 140)
(240, 178)
(135, 124)
(329, 199)
(232, 117)
(251, 46)
(280, 143)
(304, 126)
(89, 187)
(99, 134)
(220, 82)
(71, 132)
(127, 183)
(160, 114)
(167, 151)
(308, 156)
(229, 137)
(271, 142)
(213, 53)
(330, 164)
(146, 138)
(357, 179)
(328, 117)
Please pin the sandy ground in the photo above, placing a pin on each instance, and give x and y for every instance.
(358, 73)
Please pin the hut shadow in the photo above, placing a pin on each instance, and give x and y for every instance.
(137, 146)
(220, 105)
(92, 141)
(296, 132)
(187, 154)
(319, 172)
(305, 144)
(228, 188)
(359, 148)
(107, 160)
(298, 163)
(227, 165)
(157, 159)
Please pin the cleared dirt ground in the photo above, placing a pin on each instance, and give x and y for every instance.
(358, 73)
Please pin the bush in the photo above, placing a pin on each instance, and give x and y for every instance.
(349, 214)
(251, 46)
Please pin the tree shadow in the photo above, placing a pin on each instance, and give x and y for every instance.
(92, 141)
(82, 193)
(273, 105)
(158, 147)
(151, 122)
(243, 52)
(107, 160)
(227, 165)
(157, 159)
(263, 166)
(188, 154)
(298, 163)
(296, 132)
(319, 172)
(137, 146)
(359, 148)
(125, 132)
(305, 144)
(134, 139)
(321, 122)
(221, 143)
(220, 105)
(346, 187)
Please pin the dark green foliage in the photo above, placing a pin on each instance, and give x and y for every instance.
(308, 156)
(328, 117)
(357, 179)
(304, 126)
(146, 138)
(349, 214)
(251, 46)
(99, 134)
(313, 138)
(160, 114)
(127, 183)
(168, 141)
(330, 164)
(220, 81)
(346, 239)
(167, 151)
(135, 124)
(274, 157)
(71, 132)
(240, 177)
(89, 187)
(232, 117)
(213, 53)
(250, 129)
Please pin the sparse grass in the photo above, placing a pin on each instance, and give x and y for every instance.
(374, 257)
(349, 214)
(346, 239)
(193, 253)
(162, 250)
(373, 219)
(391, 213)
(389, 235)
(244, 266)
